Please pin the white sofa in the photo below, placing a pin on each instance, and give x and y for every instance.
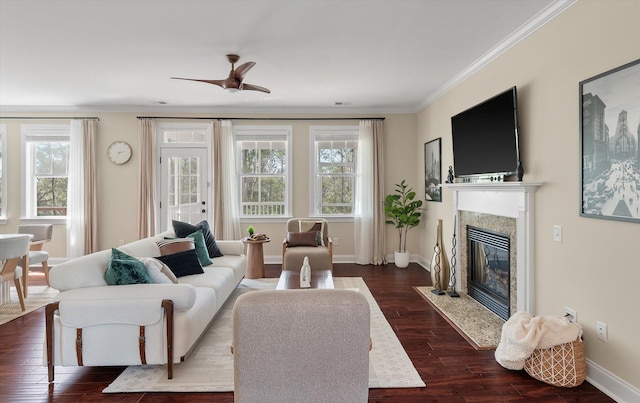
(95, 324)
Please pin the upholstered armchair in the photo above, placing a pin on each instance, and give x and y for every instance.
(307, 237)
(301, 345)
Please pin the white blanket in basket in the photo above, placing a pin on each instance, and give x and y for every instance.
(523, 333)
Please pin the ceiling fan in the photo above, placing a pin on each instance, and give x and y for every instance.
(234, 82)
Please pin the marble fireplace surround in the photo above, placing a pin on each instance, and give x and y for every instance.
(496, 206)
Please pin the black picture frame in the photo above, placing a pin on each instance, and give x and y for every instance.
(609, 149)
(433, 170)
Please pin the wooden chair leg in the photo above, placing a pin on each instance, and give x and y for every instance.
(18, 284)
(45, 267)
(49, 312)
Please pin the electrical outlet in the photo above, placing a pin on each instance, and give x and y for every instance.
(571, 314)
(601, 331)
(336, 241)
(557, 233)
(120, 242)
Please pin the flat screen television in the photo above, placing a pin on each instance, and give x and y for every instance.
(485, 139)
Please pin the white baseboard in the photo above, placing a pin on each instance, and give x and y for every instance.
(611, 385)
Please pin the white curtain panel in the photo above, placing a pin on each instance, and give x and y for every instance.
(226, 210)
(75, 192)
(146, 178)
(368, 221)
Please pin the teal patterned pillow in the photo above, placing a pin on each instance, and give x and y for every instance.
(124, 269)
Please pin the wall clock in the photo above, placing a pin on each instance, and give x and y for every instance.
(119, 152)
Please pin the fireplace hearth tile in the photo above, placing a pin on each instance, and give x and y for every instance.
(477, 324)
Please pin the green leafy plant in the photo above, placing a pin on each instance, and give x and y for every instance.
(402, 211)
(250, 230)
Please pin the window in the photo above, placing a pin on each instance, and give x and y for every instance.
(334, 153)
(3, 172)
(45, 170)
(263, 163)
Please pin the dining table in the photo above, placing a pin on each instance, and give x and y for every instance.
(5, 290)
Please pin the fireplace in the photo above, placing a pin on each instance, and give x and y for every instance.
(504, 208)
(489, 269)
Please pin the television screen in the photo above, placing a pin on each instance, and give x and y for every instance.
(485, 137)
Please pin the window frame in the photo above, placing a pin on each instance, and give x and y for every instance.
(341, 133)
(29, 207)
(3, 174)
(265, 133)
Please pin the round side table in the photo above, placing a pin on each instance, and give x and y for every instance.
(255, 258)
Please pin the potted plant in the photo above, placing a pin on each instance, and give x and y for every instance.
(403, 212)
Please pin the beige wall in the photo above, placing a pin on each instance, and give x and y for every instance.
(118, 184)
(596, 269)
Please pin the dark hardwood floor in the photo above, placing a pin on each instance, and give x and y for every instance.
(451, 368)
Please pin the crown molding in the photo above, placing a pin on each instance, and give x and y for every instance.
(536, 22)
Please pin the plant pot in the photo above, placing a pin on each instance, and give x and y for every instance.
(401, 259)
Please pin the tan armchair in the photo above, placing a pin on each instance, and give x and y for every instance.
(299, 242)
(41, 234)
(301, 345)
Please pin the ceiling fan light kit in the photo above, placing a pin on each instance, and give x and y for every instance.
(234, 82)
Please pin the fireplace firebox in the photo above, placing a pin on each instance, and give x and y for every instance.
(489, 270)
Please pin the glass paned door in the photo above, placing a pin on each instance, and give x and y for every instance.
(184, 185)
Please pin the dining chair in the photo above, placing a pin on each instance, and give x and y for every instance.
(12, 249)
(42, 234)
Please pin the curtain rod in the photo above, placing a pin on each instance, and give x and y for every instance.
(223, 118)
(50, 117)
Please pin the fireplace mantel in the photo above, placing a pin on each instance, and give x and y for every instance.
(507, 199)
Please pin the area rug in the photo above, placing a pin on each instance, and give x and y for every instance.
(39, 296)
(209, 367)
(478, 325)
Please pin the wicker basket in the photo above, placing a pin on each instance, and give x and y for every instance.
(562, 365)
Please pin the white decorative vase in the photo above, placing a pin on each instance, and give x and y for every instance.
(401, 259)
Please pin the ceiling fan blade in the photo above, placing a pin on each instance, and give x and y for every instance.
(220, 83)
(251, 87)
(242, 70)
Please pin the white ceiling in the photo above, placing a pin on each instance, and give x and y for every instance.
(372, 55)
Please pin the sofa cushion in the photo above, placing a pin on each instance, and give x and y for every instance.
(125, 269)
(201, 247)
(169, 246)
(183, 229)
(183, 263)
(310, 226)
(159, 272)
(308, 238)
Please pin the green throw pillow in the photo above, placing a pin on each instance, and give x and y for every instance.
(201, 247)
(124, 269)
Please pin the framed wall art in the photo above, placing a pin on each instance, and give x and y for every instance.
(609, 137)
(432, 171)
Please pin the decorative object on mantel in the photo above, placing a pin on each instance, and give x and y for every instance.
(403, 213)
(610, 174)
(439, 265)
(520, 171)
(450, 176)
(452, 293)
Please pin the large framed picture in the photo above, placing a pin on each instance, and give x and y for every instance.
(432, 171)
(609, 131)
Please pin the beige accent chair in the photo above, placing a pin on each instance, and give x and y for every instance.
(301, 345)
(41, 234)
(11, 252)
(320, 257)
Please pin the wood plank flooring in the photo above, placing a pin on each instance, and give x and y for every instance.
(451, 368)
